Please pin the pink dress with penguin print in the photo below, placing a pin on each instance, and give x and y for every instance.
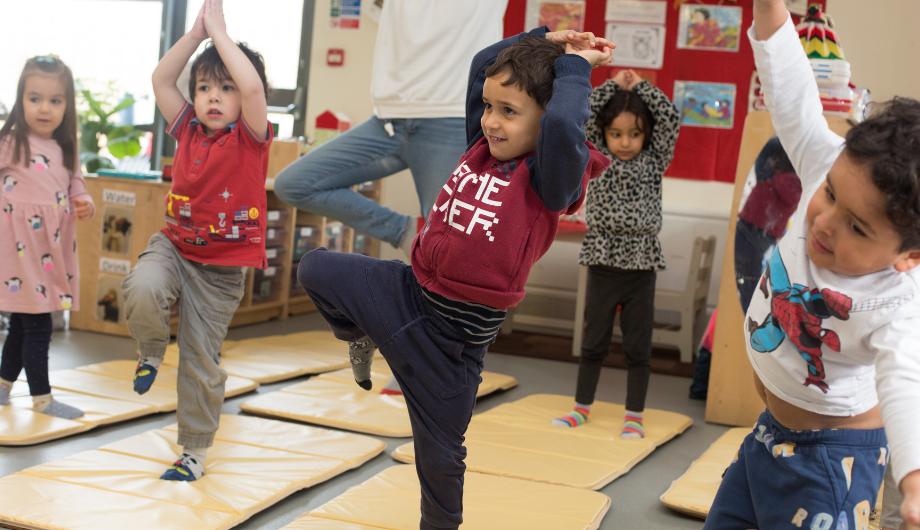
(38, 249)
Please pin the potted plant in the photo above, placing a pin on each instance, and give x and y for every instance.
(96, 126)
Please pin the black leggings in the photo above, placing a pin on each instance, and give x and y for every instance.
(634, 290)
(27, 346)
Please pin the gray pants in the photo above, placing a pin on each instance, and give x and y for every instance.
(208, 296)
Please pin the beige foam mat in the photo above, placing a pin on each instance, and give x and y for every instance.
(253, 464)
(334, 400)
(695, 490)
(105, 394)
(517, 440)
(277, 358)
(390, 500)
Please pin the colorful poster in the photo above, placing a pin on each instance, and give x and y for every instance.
(709, 27)
(556, 15)
(638, 45)
(637, 11)
(710, 105)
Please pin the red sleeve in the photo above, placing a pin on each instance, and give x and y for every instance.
(180, 125)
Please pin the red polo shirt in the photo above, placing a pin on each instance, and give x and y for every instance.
(215, 210)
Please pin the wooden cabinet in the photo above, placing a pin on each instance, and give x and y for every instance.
(129, 211)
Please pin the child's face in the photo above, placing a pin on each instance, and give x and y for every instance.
(847, 229)
(217, 103)
(511, 119)
(44, 103)
(623, 137)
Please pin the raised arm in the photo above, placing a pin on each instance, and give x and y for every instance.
(596, 102)
(667, 121)
(168, 97)
(243, 73)
(791, 94)
(769, 16)
(562, 154)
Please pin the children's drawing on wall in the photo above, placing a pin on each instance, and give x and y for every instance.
(638, 45)
(109, 298)
(556, 15)
(705, 104)
(709, 27)
(116, 229)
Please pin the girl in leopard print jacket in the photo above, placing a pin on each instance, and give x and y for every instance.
(636, 125)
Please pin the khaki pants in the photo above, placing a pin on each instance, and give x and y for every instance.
(208, 296)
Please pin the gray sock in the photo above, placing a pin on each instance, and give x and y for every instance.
(53, 407)
(361, 353)
(5, 388)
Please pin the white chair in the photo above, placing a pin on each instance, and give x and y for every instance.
(690, 303)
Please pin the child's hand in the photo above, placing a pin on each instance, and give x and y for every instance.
(910, 506)
(214, 17)
(579, 40)
(596, 57)
(621, 79)
(83, 209)
(198, 32)
(632, 79)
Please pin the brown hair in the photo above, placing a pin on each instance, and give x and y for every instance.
(65, 134)
(530, 63)
(209, 65)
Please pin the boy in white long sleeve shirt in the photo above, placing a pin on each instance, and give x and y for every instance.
(833, 330)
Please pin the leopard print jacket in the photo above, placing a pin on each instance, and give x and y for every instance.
(623, 206)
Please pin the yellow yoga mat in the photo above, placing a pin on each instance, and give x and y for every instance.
(253, 464)
(695, 490)
(517, 440)
(105, 394)
(334, 400)
(280, 357)
(390, 501)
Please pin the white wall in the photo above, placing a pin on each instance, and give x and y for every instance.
(881, 43)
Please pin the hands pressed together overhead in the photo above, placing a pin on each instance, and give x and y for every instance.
(627, 79)
(210, 20)
(596, 50)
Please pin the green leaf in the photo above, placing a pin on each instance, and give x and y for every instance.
(124, 146)
(93, 104)
(122, 105)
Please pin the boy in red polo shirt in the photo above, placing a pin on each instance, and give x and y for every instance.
(528, 161)
(215, 225)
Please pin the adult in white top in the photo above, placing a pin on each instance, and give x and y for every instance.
(421, 62)
(833, 330)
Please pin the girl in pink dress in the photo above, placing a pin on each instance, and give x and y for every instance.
(41, 192)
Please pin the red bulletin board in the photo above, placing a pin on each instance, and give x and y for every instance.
(702, 153)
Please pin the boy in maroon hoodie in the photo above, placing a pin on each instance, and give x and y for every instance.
(528, 162)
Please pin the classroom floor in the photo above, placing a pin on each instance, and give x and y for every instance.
(634, 496)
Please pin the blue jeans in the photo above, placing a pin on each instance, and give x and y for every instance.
(816, 480)
(320, 181)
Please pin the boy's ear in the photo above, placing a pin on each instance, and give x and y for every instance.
(907, 261)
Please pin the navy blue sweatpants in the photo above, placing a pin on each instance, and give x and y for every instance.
(438, 373)
(810, 480)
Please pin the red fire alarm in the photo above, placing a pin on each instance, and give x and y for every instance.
(335, 57)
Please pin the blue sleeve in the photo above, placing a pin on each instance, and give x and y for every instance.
(562, 154)
(481, 62)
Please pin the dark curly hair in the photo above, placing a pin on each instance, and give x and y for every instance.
(888, 144)
(530, 63)
(209, 65)
(627, 101)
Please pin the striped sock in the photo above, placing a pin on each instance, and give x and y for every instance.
(632, 426)
(578, 416)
